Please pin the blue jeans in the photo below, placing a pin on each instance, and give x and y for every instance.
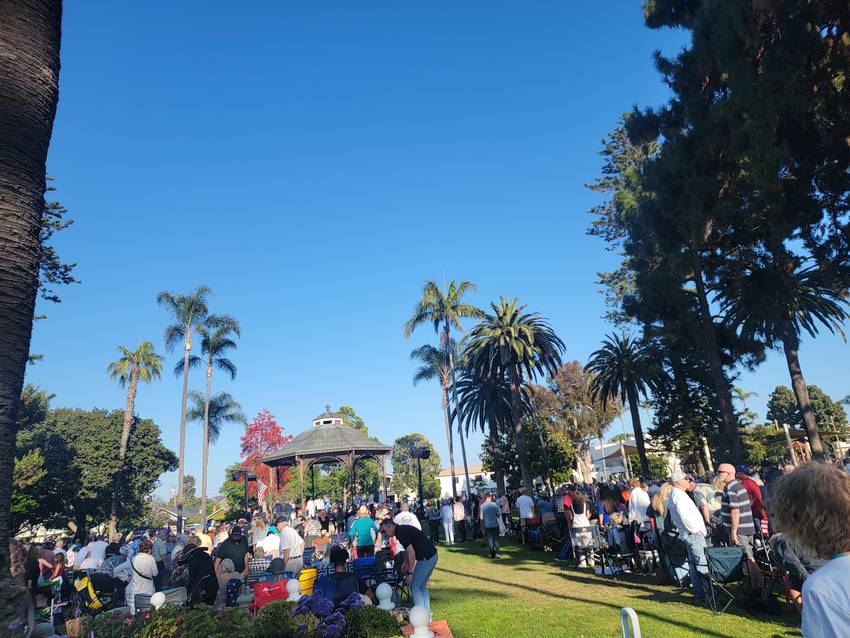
(696, 562)
(419, 581)
(492, 536)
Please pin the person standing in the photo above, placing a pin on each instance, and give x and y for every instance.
(234, 547)
(363, 533)
(158, 551)
(432, 514)
(688, 520)
(447, 518)
(406, 517)
(291, 548)
(638, 501)
(459, 517)
(419, 561)
(490, 519)
(737, 518)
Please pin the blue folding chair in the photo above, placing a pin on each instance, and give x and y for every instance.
(307, 554)
(365, 569)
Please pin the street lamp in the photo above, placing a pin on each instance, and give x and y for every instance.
(420, 453)
(236, 475)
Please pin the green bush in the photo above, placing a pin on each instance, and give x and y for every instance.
(275, 620)
(370, 622)
(171, 621)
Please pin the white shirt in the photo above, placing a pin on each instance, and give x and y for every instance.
(311, 508)
(91, 562)
(98, 549)
(145, 565)
(826, 601)
(289, 539)
(685, 514)
(407, 518)
(525, 506)
(504, 504)
(271, 545)
(446, 514)
(81, 556)
(638, 502)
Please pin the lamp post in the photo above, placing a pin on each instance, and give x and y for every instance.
(247, 476)
(420, 453)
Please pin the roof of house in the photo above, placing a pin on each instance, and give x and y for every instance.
(473, 469)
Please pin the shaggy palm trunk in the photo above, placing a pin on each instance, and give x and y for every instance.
(181, 456)
(791, 344)
(129, 410)
(634, 409)
(448, 342)
(721, 383)
(519, 429)
(447, 412)
(29, 75)
(206, 458)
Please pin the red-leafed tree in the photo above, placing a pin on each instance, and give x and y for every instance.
(262, 437)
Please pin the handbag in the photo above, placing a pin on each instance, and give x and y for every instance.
(265, 593)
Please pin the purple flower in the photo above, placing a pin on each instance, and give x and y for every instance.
(352, 602)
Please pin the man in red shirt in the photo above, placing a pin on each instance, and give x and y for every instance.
(742, 473)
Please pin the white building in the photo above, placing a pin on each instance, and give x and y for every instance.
(607, 458)
(480, 479)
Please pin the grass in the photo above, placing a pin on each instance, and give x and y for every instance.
(531, 594)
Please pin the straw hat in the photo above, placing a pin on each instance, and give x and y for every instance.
(363, 511)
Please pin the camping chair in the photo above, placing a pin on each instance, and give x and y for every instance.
(621, 553)
(307, 554)
(587, 546)
(672, 552)
(365, 569)
(553, 538)
(725, 569)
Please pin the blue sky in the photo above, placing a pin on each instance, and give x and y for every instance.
(314, 163)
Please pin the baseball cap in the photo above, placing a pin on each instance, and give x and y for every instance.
(235, 532)
(281, 519)
(743, 468)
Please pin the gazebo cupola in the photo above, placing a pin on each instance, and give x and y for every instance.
(327, 418)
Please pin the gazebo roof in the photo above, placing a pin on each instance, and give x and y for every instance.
(327, 440)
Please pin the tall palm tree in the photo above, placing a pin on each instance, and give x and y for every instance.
(141, 364)
(189, 313)
(29, 71)
(775, 305)
(518, 345)
(435, 365)
(485, 404)
(215, 342)
(623, 369)
(214, 412)
(444, 310)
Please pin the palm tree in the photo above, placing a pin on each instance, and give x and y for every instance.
(141, 364)
(215, 342)
(622, 369)
(518, 346)
(485, 403)
(29, 66)
(189, 313)
(445, 310)
(775, 305)
(743, 396)
(435, 365)
(213, 411)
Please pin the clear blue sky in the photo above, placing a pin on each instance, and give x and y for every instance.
(314, 163)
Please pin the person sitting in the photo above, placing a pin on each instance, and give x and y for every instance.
(812, 506)
(229, 584)
(321, 543)
(140, 571)
(259, 564)
(339, 584)
(798, 562)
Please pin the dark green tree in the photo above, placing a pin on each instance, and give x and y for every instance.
(782, 407)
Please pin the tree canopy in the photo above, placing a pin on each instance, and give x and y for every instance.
(405, 468)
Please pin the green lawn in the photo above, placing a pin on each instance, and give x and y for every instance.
(529, 593)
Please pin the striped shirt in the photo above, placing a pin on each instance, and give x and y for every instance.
(736, 497)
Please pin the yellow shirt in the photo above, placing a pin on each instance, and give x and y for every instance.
(206, 541)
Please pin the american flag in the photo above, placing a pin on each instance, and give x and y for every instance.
(262, 488)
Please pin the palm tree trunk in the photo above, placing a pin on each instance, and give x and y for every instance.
(634, 408)
(790, 344)
(498, 471)
(29, 74)
(129, 410)
(721, 383)
(447, 413)
(519, 430)
(206, 447)
(448, 346)
(181, 456)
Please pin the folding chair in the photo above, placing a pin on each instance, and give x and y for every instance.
(587, 546)
(307, 554)
(365, 569)
(674, 556)
(621, 552)
(725, 569)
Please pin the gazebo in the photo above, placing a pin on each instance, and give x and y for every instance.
(330, 441)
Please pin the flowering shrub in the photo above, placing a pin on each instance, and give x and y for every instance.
(370, 622)
(171, 621)
(275, 620)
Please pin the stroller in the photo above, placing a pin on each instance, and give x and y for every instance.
(96, 593)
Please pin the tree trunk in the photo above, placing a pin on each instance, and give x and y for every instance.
(634, 409)
(29, 75)
(181, 456)
(791, 344)
(447, 413)
(519, 430)
(129, 410)
(206, 446)
(448, 345)
(721, 383)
